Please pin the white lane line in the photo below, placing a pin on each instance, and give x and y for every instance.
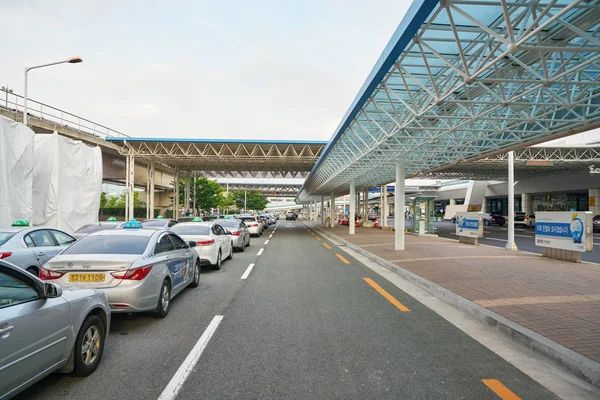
(186, 368)
(267, 241)
(490, 238)
(260, 252)
(270, 236)
(248, 270)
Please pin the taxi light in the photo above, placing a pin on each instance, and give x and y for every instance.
(5, 254)
(132, 224)
(236, 233)
(205, 242)
(197, 219)
(136, 274)
(47, 275)
(20, 222)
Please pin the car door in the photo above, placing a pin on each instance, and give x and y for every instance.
(185, 265)
(246, 234)
(33, 329)
(166, 256)
(225, 240)
(43, 245)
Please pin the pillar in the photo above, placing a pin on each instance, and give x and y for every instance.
(322, 210)
(510, 245)
(385, 207)
(526, 203)
(332, 211)
(130, 181)
(176, 194)
(366, 204)
(352, 209)
(399, 207)
(186, 201)
(151, 201)
(594, 201)
(452, 202)
(148, 191)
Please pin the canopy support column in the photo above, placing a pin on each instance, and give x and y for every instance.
(129, 182)
(151, 193)
(322, 210)
(399, 207)
(187, 191)
(176, 194)
(366, 204)
(352, 209)
(510, 245)
(384, 207)
(332, 211)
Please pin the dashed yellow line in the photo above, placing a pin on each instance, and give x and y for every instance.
(327, 246)
(388, 296)
(502, 391)
(342, 258)
(312, 234)
(318, 238)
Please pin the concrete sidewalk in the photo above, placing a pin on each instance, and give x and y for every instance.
(555, 299)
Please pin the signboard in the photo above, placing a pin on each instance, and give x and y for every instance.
(469, 224)
(566, 230)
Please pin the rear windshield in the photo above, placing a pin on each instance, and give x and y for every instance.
(227, 223)
(252, 219)
(191, 229)
(4, 236)
(109, 244)
(156, 223)
(89, 228)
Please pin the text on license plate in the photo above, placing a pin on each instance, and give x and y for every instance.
(86, 278)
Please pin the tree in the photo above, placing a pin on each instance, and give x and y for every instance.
(120, 201)
(225, 202)
(103, 199)
(208, 193)
(254, 200)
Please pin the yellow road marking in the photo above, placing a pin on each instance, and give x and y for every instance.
(342, 258)
(388, 296)
(312, 234)
(326, 245)
(502, 391)
(318, 238)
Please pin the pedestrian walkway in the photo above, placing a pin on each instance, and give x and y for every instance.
(556, 299)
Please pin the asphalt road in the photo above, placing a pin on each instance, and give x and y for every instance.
(305, 324)
(497, 236)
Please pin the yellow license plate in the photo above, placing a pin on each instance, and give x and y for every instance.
(83, 278)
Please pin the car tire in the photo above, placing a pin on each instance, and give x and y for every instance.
(164, 300)
(34, 271)
(486, 223)
(91, 336)
(248, 245)
(217, 265)
(196, 280)
(230, 252)
(242, 248)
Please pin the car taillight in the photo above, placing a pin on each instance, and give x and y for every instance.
(47, 275)
(136, 274)
(253, 224)
(205, 242)
(237, 233)
(5, 254)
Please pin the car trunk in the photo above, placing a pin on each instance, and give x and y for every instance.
(90, 270)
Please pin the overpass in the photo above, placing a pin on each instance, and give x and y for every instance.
(266, 188)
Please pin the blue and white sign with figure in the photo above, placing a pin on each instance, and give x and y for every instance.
(569, 230)
(469, 224)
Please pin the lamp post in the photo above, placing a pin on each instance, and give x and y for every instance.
(72, 60)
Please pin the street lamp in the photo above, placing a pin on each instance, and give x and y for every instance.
(72, 60)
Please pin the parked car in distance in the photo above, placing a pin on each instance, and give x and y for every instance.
(31, 247)
(45, 329)
(212, 241)
(521, 218)
(240, 235)
(95, 227)
(138, 269)
(255, 226)
(188, 219)
(290, 216)
(596, 223)
(493, 219)
(159, 223)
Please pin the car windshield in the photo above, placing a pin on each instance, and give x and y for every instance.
(191, 229)
(89, 228)
(154, 223)
(227, 223)
(109, 244)
(4, 236)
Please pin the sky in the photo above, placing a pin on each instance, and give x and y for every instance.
(206, 69)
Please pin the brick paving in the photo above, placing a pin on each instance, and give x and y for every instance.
(557, 299)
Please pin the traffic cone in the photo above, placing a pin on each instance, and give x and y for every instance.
(376, 222)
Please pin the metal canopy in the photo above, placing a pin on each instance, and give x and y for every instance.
(463, 80)
(267, 189)
(529, 162)
(226, 158)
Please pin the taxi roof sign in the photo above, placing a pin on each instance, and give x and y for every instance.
(132, 224)
(20, 222)
(197, 219)
(159, 217)
(112, 219)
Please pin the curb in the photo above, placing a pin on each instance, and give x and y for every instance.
(575, 363)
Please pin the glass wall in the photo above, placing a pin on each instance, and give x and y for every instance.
(560, 201)
(499, 205)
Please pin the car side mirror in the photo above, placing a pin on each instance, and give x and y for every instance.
(52, 291)
(228, 232)
(192, 244)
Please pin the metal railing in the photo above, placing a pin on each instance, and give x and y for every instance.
(12, 103)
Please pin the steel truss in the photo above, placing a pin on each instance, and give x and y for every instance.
(226, 158)
(267, 189)
(477, 79)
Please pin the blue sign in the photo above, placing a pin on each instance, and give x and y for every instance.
(573, 230)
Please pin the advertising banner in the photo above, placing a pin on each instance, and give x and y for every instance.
(566, 230)
(469, 224)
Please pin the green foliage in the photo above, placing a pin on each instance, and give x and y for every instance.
(208, 193)
(225, 202)
(254, 200)
(119, 201)
(103, 199)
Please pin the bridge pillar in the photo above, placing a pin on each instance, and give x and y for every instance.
(399, 207)
(352, 209)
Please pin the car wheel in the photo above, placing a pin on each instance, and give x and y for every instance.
(248, 244)
(164, 300)
(242, 248)
(217, 265)
(89, 346)
(34, 271)
(196, 280)
(230, 252)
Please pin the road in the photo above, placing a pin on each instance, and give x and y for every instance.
(497, 236)
(309, 322)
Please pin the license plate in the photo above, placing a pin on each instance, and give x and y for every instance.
(86, 278)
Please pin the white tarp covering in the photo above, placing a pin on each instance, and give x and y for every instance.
(67, 182)
(16, 171)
